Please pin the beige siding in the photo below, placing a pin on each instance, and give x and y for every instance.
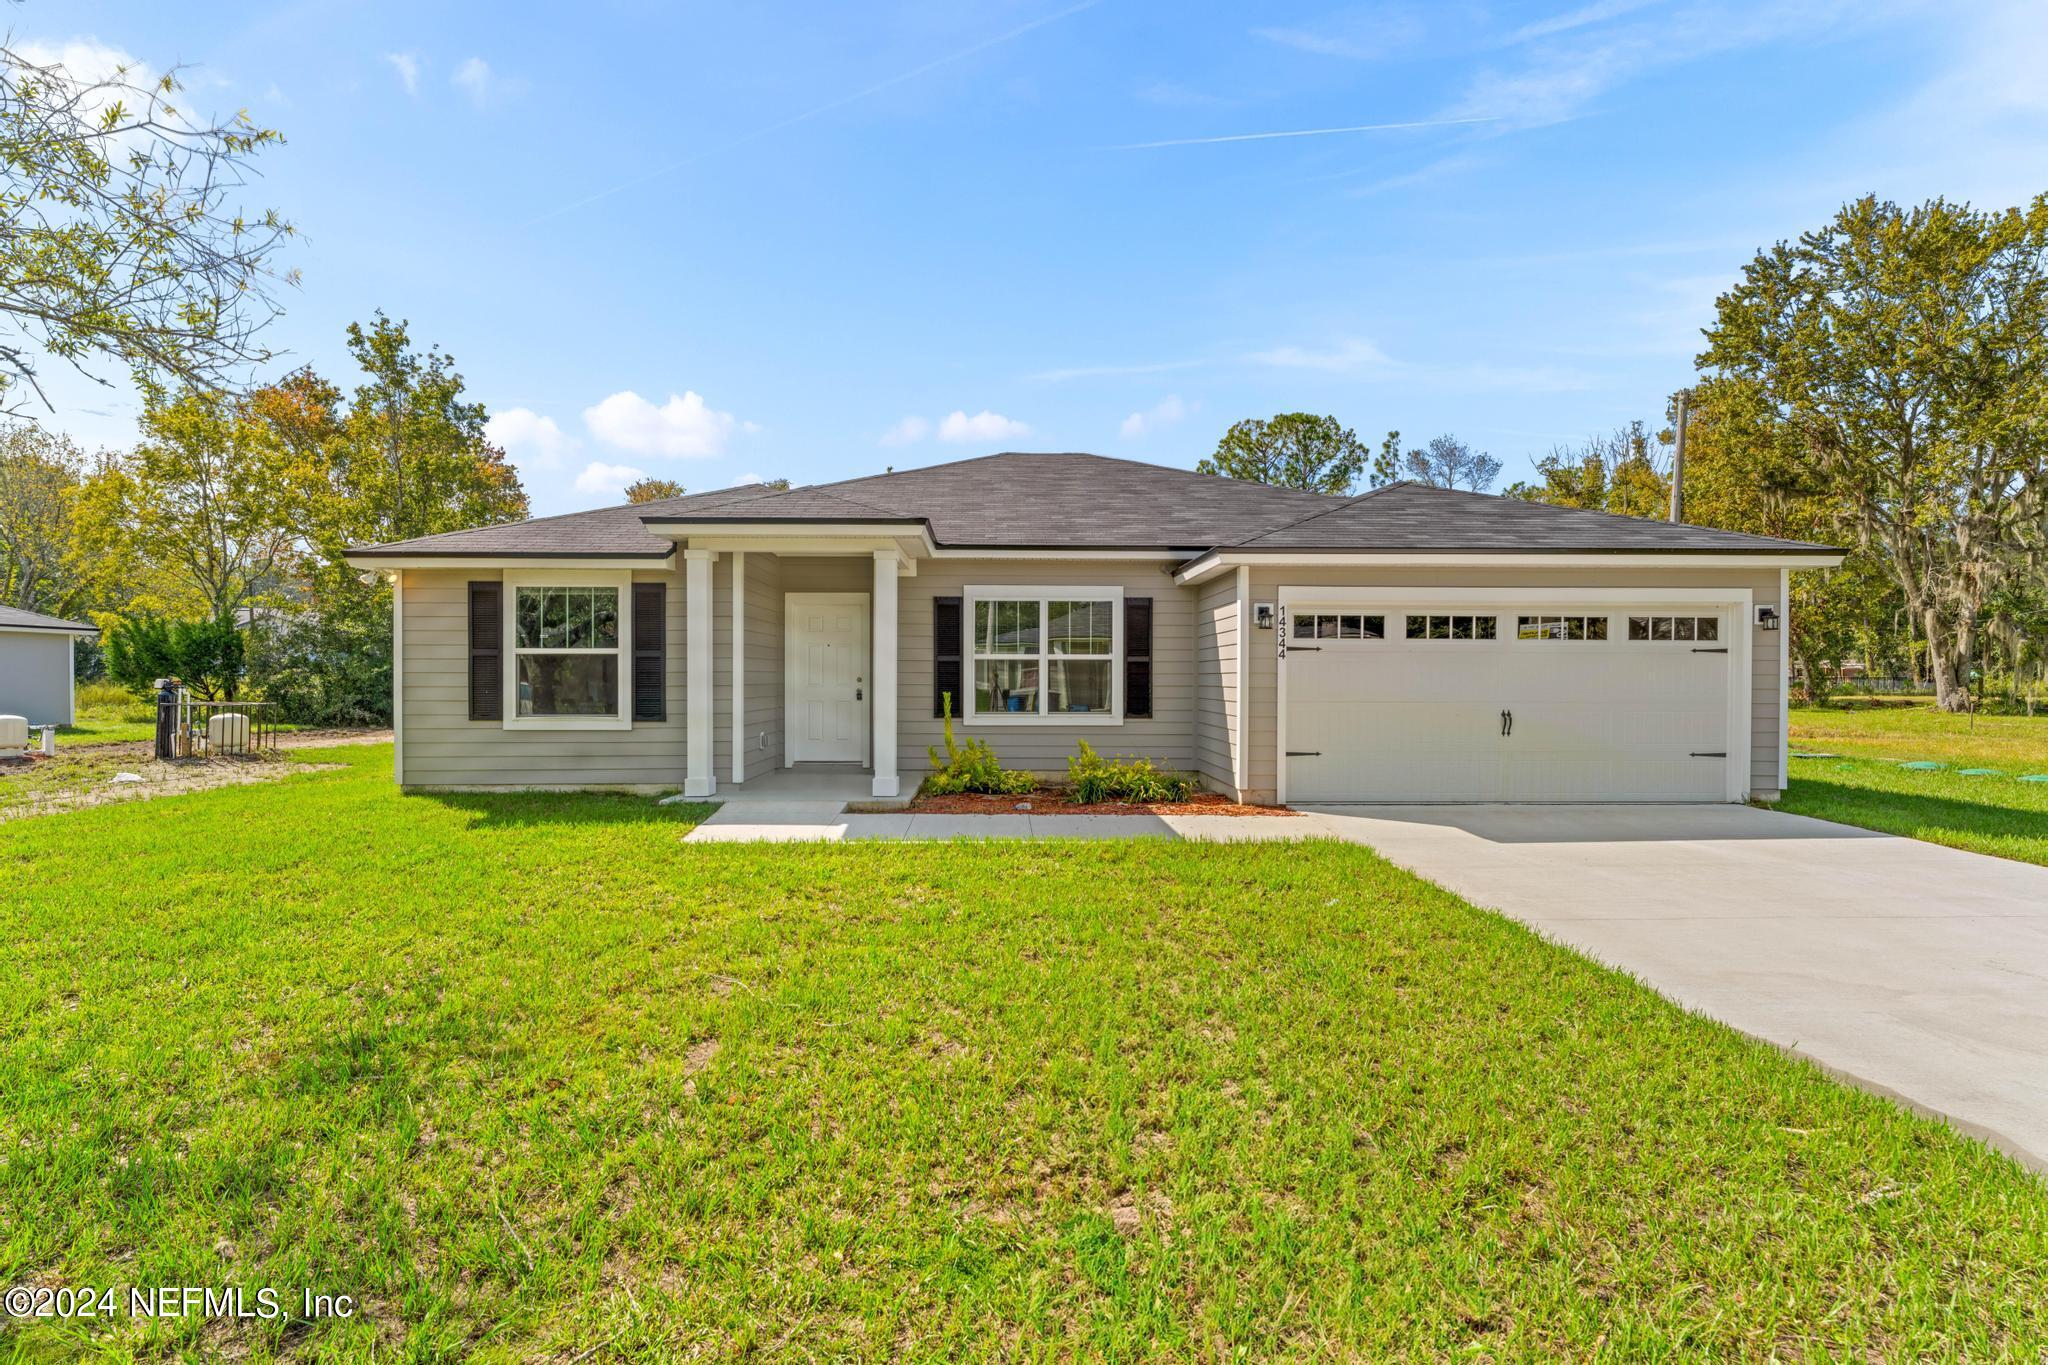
(1167, 737)
(1216, 671)
(445, 748)
(763, 634)
(1766, 735)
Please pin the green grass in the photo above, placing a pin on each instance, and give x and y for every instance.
(1865, 786)
(534, 1079)
(106, 714)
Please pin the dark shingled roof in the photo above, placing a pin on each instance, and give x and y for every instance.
(1074, 501)
(35, 620)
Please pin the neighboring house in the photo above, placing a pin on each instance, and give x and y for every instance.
(36, 679)
(1407, 644)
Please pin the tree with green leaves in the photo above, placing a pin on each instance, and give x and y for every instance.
(120, 232)
(39, 474)
(1292, 450)
(647, 488)
(206, 655)
(1902, 356)
(1625, 472)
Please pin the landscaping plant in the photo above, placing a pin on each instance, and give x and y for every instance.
(1092, 778)
(970, 767)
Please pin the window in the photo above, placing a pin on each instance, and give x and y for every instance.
(1051, 653)
(1332, 626)
(566, 663)
(1451, 627)
(1561, 628)
(1674, 628)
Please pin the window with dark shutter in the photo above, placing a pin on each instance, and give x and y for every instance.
(1137, 656)
(486, 650)
(947, 640)
(650, 651)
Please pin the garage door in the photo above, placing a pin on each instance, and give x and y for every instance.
(1434, 703)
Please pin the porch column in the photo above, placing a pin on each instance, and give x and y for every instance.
(884, 671)
(739, 667)
(698, 779)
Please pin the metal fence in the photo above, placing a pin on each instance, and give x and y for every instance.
(215, 729)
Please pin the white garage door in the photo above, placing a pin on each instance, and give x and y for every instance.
(1465, 703)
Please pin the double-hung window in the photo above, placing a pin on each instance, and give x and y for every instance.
(1046, 654)
(566, 668)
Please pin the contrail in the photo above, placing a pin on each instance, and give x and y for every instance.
(1298, 132)
(822, 109)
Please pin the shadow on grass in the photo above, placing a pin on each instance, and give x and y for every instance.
(512, 809)
(1912, 812)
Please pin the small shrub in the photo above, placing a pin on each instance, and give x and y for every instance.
(1092, 778)
(971, 767)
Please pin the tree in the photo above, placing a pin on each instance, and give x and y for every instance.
(649, 489)
(1902, 355)
(1293, 450)
(121, 235)
(39, 473)
(1386, 466)
(1624, 472)
(206, 655)
(1448, 462)
(205, 515)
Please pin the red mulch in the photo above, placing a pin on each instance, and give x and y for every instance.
(1049, 801)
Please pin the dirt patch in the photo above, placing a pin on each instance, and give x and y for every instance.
(104, 774)
(1050, 801)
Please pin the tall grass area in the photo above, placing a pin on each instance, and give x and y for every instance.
(109, 713)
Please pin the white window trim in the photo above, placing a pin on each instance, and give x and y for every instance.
(1024, 592)
(583, 578)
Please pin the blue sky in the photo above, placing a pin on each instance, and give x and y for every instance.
(723, 241)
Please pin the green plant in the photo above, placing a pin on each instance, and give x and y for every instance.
(1092, 778)
(206, 655)
(970, 767)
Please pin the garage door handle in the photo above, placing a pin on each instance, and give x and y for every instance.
(1304, 649)
(1722, 650)
(1304, 753)
(1718, 754)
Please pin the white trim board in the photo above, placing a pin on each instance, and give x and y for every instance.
(1213, 563)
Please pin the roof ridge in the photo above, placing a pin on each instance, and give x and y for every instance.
(1324, 512)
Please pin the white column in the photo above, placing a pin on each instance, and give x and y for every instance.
(883, 674)
(698, 778)
(739, 667)
(398, 676)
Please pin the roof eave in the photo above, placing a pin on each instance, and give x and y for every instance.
(1210, 562)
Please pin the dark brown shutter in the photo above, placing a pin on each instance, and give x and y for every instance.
(1137, 656)
(486, 650)
(946, 652)
(650, 651)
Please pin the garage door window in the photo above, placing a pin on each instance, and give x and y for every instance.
(1655, 628)
(1561, 628)
(1451, 627)
(1339, 626)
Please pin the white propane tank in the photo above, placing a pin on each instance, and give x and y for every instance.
(227, 732)
(13, 736)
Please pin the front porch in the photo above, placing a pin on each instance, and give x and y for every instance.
(791, 663)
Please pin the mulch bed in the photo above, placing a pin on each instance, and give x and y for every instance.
(1049, 801)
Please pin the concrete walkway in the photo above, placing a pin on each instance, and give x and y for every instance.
(1911, 969)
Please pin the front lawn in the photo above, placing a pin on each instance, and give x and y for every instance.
(531, 1078)
(1864, 784)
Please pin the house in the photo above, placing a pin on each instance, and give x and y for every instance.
(1407, 644)
(36, 678)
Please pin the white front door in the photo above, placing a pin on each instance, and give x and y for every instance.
(825, 676)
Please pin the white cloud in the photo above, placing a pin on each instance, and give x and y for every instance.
(1165, 412)
(1598, 12)
(748, 480)
(983, 426)
(85, 64)
(533, 441)
(909, 431)
(1354, 353)
(609, 479)
(682, 428)
(407, 65)
(1360, 37)
(484, 86)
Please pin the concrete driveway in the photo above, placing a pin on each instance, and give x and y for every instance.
(1911, 969)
